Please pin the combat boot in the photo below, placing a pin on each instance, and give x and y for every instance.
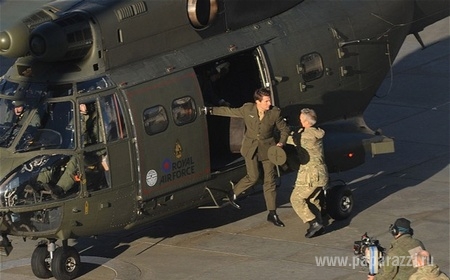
(314, 227)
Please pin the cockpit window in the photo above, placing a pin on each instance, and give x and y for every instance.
(43, 178)
(34, 90)
(113, 120)
(59, 117)
(94, 84)
(49, 126)
(90, 124)
(60, 90)
(183, 110)
(14, 115)
(7, 88)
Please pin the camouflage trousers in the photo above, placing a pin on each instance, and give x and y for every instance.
(305, 196)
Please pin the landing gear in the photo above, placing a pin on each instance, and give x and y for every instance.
(63, 263)
(40, 262)
(339, 201)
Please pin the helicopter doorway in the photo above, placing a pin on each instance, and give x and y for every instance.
(230, 81)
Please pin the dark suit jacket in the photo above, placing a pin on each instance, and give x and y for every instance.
(259, 135)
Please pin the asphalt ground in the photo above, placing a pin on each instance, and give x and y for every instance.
(412, 106)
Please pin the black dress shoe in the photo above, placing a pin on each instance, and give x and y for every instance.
(275, 220)
(232, 199)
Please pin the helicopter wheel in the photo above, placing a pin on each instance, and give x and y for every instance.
(66, 263)
(339, 202)
(40, 262)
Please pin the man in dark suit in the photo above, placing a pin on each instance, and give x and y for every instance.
(260, 119)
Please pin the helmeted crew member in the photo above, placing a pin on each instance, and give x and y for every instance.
(21, 114)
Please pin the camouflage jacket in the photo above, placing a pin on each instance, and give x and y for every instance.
(313, 170)
(308, 142)
(397, 263)
(428, 272)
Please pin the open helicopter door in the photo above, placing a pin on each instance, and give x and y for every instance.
(230, 81)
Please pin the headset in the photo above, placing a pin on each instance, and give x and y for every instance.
(394, 229)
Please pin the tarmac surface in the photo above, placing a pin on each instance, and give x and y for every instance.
(412, 106)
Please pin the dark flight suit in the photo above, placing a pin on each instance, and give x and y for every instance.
(258, 138)
(312, 175)
(397, 261)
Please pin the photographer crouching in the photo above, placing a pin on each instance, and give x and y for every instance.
(398, 261)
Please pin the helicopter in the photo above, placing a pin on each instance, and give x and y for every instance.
(140, 73)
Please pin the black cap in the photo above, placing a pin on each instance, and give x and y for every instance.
(403, 225)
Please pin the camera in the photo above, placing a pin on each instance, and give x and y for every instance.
(360, 246)
(370, 252)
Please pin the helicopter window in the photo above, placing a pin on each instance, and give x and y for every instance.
(43, 178)
(155, 120)
(312, 66)
(24, 70)
(30, 94)
(113, 120)
(59, 117)
(183, 110)
(7, 88)
(33, 94)
(96, 170)
(9, 126)
(60, 178)
(60, 90)
(17, 113)
(5, 111)
(55, 129)
(94, 84)
(90, 124)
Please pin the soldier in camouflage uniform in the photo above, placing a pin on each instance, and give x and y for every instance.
(397, 263)
(312, 175)
(426, 269)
